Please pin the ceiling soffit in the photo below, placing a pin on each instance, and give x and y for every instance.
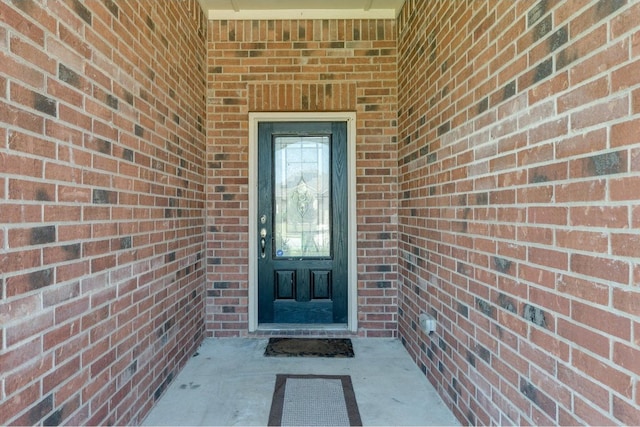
(301, 9)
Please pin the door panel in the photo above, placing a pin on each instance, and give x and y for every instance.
(321, 284)
(302, 220)
(285, 284)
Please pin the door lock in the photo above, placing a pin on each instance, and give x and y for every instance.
(263, 242)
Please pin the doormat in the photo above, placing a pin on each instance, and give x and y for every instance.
(314, 400)
(309, 347)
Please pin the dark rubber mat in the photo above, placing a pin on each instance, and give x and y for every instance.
(309, 347)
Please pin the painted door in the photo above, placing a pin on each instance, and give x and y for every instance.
(302, 222)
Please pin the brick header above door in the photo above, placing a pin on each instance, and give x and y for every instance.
(302, 96)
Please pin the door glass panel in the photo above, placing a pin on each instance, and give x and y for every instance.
(302, 196)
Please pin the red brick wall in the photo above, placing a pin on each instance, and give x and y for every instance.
(519, 161)
(102, 204)
(306, 65)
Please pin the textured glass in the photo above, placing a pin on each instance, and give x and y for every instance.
(302, 208)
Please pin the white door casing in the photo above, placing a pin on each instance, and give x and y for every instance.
(350, 119)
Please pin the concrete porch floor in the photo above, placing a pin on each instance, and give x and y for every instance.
(231, 382)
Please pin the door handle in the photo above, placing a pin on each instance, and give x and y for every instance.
(263, 242)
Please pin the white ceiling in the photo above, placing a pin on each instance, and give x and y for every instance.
(301, 9)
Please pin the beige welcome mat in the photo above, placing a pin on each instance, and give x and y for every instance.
(314, 400)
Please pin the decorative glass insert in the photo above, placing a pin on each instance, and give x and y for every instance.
(302, 196)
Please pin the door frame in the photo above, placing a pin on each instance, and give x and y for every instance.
(352, 276)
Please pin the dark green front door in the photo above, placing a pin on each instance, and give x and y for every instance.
(302, 222)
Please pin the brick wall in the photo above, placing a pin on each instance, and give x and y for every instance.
(519, 161)
(305, 65)
(102, 205)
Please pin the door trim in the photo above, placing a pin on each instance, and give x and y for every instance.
(352, 276)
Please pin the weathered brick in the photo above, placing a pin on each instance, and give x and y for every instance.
(602, 320)
(568, 173)
(626, 357)
(589, 142)
(42, 235)
(41, 279)
(32, 54)
(27, 328)
(600, 10)
(86, 173)
(104, 196)
(537, 12)
(607, 375)
(14, 19)
(537, 397)
(38, 411)
(581, 47)
(542, 28)
(626, 300)
(625, 77)
(624, 411)
(584, 95)
(597, 343)
(610, 110)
